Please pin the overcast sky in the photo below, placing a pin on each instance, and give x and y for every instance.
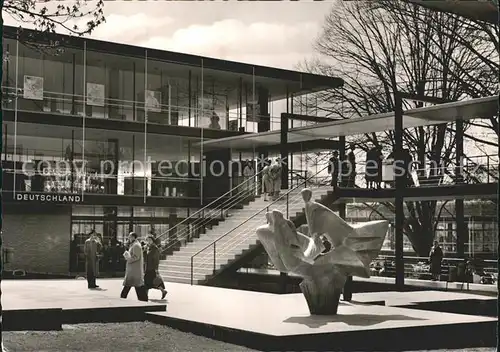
(278, 34)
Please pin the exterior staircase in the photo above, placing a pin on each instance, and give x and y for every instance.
(232, 238)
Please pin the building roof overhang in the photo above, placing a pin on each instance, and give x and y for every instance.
(480, 10)
(478, 108)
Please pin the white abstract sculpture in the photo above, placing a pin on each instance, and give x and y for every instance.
(303, 253)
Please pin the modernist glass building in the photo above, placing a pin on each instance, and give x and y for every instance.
(87, 122)
(108, 137)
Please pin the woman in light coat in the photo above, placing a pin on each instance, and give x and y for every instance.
(134, 271)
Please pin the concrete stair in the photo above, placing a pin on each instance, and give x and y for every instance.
(239, 227)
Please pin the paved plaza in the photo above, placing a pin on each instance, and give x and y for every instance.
(245, 317)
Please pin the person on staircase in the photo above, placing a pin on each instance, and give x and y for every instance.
(267, 185)
(333, 169)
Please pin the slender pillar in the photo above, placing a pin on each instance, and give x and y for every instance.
(131, 221)
(72, 157)
(73, 95)
(240, 90)
(459, 203)
(400, 189)
(134, 117)
(189, 98)
(342, 206)
(284, 151)
(264, 123)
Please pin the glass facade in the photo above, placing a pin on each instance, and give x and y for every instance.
(114, 226)
(80, 81)
(74, 80)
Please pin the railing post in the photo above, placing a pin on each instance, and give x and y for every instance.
(487, 169)
(192, 270)
(215, 255)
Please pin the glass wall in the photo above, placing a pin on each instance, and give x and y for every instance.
(142, 220)
(57, 159)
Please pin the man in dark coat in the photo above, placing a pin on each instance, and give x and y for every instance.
(435, 259)
(333, 169)
(91, 249)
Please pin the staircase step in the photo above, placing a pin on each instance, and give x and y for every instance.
(181, 279)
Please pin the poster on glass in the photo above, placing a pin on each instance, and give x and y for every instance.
(153, 99)
(95, 94)
(253, 110)
(33, 88)
(205, 112)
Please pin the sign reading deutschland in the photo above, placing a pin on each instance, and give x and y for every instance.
(48, 198)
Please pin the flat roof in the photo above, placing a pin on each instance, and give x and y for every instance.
(473, 9)
(430, 115)
(177, 65)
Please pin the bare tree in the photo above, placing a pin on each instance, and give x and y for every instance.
(378, 53)
(483, 45)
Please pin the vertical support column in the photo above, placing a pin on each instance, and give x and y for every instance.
(114, 95)
(264, 117)
(347, 293)
(400, 189)
(73, 91)
(342, 206)
(284, 150)
(134, 94)
(72, 158)
(172, 242)
(112, 177)
(133, 164)
(240, 91)
(131, 220)
(189, 98)
(459, 203)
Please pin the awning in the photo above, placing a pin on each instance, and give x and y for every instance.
(431, 115)
(474, 9)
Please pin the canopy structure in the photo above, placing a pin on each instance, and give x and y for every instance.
(431, 115)
(474, 9)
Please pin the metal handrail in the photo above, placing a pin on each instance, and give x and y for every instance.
(213, 243)
(233, 200)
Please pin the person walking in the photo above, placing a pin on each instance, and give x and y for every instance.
(91, 249)
(435, 259)
(152, 278)
(134, 271)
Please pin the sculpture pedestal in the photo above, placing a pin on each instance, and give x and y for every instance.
(322, 296)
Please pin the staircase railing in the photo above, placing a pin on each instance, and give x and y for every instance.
(485, 166)
(215, 210)
(291, 197)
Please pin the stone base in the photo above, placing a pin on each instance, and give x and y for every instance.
(322, 296)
